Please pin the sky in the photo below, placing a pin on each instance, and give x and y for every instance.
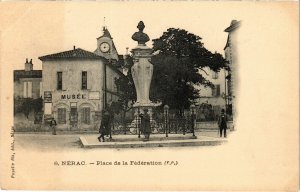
(33, 29)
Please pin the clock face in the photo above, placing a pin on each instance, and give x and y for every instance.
(104, 47)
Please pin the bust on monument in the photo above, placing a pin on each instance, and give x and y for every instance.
(140, 36)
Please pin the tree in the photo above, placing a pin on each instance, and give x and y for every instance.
(37, 105)
(178, 57)
(126, 91)
(26, 105)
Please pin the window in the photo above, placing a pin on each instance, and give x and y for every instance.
(216, 91)
(59, 81)
(85, 115)
(215, 75)
(61, 113)
(27, 89)
(84, 80)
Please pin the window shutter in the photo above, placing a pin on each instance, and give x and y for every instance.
(64, 111)
(89, 80)
(41, 88)
(25, 90)
(213, 90)
(82, 115)
(218, 90)
(81, 80)
(29, 89)
(88, 115)
(64, 80)
(62, 115)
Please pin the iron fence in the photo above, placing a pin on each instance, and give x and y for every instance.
(162, 122)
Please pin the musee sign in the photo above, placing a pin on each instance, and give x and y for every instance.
(73, 96)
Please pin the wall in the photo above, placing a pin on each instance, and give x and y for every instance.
(206, 92)
(112, 53)
(211, 125)
(19, 87)
(231, 55)
(72, 92)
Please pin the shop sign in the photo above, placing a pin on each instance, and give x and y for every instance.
(47, 97)
(73, 96)
(95, 95)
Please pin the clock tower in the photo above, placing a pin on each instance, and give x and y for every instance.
(106, 47)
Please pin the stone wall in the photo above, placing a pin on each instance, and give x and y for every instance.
(211, 125)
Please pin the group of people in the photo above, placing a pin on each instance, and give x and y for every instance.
(105, 127)
(145, 127)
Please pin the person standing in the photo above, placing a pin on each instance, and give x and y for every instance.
(145, 124)
(222, 122)
(53, 126)
(105, 126)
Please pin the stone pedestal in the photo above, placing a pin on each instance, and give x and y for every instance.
(142, 71)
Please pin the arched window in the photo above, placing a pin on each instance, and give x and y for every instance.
(61, 115)
(85, 115)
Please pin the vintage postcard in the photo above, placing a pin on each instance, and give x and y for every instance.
(152, 95)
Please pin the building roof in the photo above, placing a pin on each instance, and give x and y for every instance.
(78, 54)
(106, 33)
(27, 74)
(233, 25)
(71, 54)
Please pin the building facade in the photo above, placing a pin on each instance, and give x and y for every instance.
(212, 99)
(27, 82)
(231, 55)
(221, 96)
(78, 85)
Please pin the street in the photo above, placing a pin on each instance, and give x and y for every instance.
(63, 141)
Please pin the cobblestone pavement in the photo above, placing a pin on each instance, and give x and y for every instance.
(62, 141)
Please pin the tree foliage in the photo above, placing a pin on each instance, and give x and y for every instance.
(179, 55)
(126, 88)
(26, 105)
(126, 92)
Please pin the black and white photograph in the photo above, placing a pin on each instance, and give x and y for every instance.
(178, 92)
(107, 95)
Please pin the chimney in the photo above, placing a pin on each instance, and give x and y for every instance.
(28, 65)
(74, 47)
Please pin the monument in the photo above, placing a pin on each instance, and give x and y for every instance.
(142, 71)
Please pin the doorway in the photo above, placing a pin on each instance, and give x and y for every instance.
(73, 116)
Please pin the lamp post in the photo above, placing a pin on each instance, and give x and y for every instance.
(166, 113)
(193, 118)
(138, 123)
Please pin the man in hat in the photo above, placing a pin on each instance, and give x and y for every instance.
(105, 126)
(222, 122)
(53, 125)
